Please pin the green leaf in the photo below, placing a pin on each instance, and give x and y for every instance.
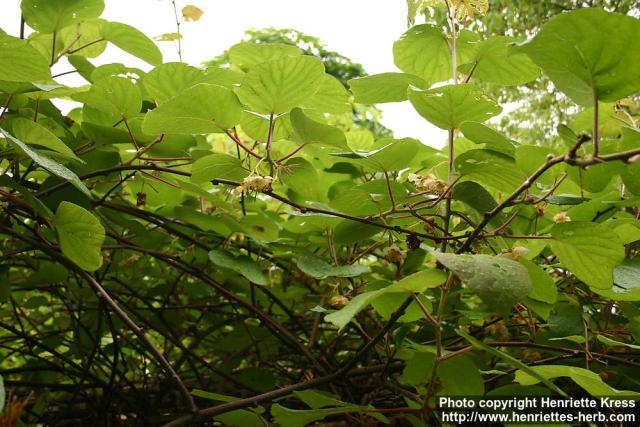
(626, 277)
(395, 155)
(316, 399)
(481, 166)
(217, 165)
(242, 264)
(494, 62)
(331, 97)
(342, 317)
(587, 64)
(544, 288)
(241, 418)
(132, 41)
(535, 375)
(20, 62)
(320, 269)
(588, 380)
(419, 368)
(631, 173)
(80, 235)
(33, 133)
(214, 396)
(115, 95)
(460, 377)
(301, 176)
(385, 87)
(311, 132)
(47, 16)
(168, 80)
(53, 167)
(203, 108)
(449, 106)
(89, 31)
(420, 281)
(493, 140)
(426, 279)
(256, 126)
(424, 51)
(277, 86)
(613, 343)
(589, 250)
(245, 54)
(478, 198)
(286, 417)
(498, 281)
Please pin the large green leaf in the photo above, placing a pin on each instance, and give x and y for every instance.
(478, 198)
(20, 62)
(589, 250)
(588, 380)
(132, 41)
(512, 361)
(80, 235)
(499, 282)
(277, 86)
(115, 95)
(586, 63)
(246, 55)
(460, 377)
(424, 51)
(494, 62)
(312, 132)
(320, 269)
(48, 16)
(331, 97)
(53, 167)
(481, 166)
(544, 288)
(203, 108)
(626, 278)
(286, 417)
(302, 177)
(217, 165)
(33, 133)
(242, 264)
(449, 106)
(395, 155)
(385, 87)
(417, 282)
(256, 126)
(168, 80)
(492, 139)
(631, 172)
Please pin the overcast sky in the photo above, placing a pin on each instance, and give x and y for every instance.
(363, 30)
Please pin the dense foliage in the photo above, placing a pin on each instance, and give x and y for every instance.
(226, 245)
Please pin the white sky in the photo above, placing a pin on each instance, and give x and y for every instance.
(363, 30)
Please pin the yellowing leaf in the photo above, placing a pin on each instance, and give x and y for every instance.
(470, 8)
(192, 13)
(168, 37)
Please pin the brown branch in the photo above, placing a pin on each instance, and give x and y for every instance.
(104, 295)
(343, 371)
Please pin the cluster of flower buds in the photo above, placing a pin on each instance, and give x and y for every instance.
(516, 253)
(394, 254)
(257, 183)
(561, 218)
(429, 184)
(338, 301)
